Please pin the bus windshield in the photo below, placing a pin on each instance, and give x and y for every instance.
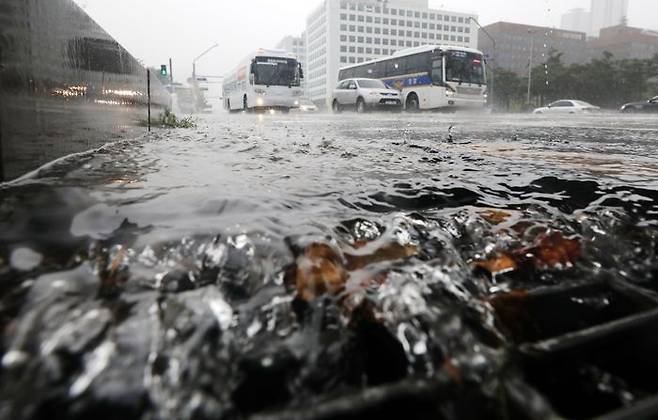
(276, 71)
(465, 67)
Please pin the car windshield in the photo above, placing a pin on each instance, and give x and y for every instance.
(274, 71)
(583, 103)
(371, 84)
(465, 67)
(654, 99)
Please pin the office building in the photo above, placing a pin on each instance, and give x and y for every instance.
(344, 32)
(624, 42)
(607, 13)
(516, 44)
(578, 20)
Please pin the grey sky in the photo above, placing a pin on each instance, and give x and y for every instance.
(154, 30)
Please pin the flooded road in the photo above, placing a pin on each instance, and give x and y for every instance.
(337, 267)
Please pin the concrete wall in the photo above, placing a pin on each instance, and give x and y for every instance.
(65, 85)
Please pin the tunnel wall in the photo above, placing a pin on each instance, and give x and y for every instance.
(65, 85)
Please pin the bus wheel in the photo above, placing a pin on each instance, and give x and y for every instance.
(413, 105)
(360, 106)
(335, 107)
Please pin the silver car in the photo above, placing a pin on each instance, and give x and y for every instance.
(365, 94)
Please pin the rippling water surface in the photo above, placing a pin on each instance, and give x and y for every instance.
(339, 267)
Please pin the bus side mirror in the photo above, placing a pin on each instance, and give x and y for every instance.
(251, 78)
(301, 71)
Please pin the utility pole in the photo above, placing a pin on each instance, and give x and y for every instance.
(493, 74)
(171, 72)
(532, 53)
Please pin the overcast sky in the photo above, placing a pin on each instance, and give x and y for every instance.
(154, 30)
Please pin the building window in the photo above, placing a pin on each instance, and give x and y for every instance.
(378, 30)
(352, 60)
(385, 41)
(369, 19)
(369, 29)
(394, 12)
(461, 20)
(368, 40)
(424, 25)
(452, 38)
(408, 43)
(361, 18)
(352, 18)
(343, 48)
(368, 50)
(394, 32)
(385, 21)
(431, 35)
(378, 41)
(343, 38)
(385, 31)
(360, 60)
(378, 20)
(343, 16)
(453, 29)
(417, 15)
(352, 38)
(439, 27)
(460, 38)
(360, 29)
(343, 27)
(467, 30)
(432, 26)
(352, 49)
(446, 37)
(410, 13)
(352, 28)
(343, 59)
(359, 50)
(394, 42)
(467, 39)
(385, 51)
(378, 51)
(378, 9)
(454, 18)
(416, 34)
(360, 40)
(416, 44)
(409, 34)
(394, 22)
(410, 24)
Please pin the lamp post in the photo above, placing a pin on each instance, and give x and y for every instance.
(493, 74)
(198, 58)
(532, 53)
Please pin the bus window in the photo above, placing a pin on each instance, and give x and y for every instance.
(393, 68)
(437, 70)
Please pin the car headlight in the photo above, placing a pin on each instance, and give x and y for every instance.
(296, 103)
(450, 93)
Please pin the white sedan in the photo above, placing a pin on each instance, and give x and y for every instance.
(567, 106)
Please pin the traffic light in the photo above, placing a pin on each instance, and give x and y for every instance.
(163, 70)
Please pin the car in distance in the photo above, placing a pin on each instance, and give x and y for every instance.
(365, 94)
(307, 106)
(567, 106)
(649, 106)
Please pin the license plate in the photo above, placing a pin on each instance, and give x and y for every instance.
(392, 102)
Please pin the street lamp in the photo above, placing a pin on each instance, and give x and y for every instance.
(199, 57)
(532, 53)
(493, 74)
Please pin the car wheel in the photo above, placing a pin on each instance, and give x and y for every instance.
(335, 107)
(360, 106)
(413, 104)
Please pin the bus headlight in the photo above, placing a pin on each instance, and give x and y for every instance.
(259, 101)
(296, 103)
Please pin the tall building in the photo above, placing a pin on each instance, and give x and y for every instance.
(624, 42)
(606, 13)
(295, 45)
(516, 44)
(578, 20)
(343, 32)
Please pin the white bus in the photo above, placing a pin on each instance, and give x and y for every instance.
(266, 79)
(430, 76)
